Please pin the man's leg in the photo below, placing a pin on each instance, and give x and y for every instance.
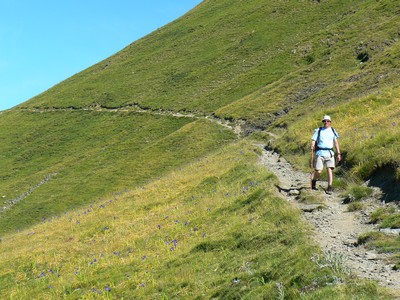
(330, 180)
(330, 165)
(330, 176)
(317, 173)
(316, 176)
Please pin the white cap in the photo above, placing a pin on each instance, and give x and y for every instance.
(326, 117)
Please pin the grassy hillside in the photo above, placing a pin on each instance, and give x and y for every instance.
(217, 231)
(273, 64)
(219, 53)
(60, 160)
(141, 128)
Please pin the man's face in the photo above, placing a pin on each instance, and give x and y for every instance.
(327, 123)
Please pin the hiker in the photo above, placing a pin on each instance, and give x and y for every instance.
(323, 140)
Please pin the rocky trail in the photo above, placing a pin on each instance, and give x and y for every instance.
(334, 228)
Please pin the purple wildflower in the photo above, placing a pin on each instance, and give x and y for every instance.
(54, 272)
(41, 275)
(107, 288)
(394, 124)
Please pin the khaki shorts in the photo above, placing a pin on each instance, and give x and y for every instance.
(321, 161)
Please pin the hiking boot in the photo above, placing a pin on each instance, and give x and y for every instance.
(314, 185)
(329, 190)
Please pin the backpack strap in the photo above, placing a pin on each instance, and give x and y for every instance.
(317, 140)
(334, 132)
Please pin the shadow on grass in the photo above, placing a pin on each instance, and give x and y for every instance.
(385, 178)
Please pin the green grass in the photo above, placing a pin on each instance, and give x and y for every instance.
(382, 243)
(217, 231)
(308, 197)
(252, 61)
(386, 217)
(356, 193)
(355, 206)
(274, 67)
(91, 154)
(213, 56)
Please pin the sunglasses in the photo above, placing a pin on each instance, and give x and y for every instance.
(326, 121)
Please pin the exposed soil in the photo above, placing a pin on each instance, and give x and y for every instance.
(334, 228)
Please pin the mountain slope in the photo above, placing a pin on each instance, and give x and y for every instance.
(274, 65)
(217, 54)
(213, 229)
(169, 101)
(89, 154)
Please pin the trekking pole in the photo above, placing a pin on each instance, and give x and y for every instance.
(312, 168)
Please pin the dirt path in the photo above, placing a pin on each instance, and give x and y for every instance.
(236, 127)
(335, 229)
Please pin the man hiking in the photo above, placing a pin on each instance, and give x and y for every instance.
(323, 140)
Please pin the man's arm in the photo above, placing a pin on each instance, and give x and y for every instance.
(338, 150)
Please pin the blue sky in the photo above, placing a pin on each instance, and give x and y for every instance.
(43, 42)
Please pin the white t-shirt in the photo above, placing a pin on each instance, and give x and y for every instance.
(326, 139)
